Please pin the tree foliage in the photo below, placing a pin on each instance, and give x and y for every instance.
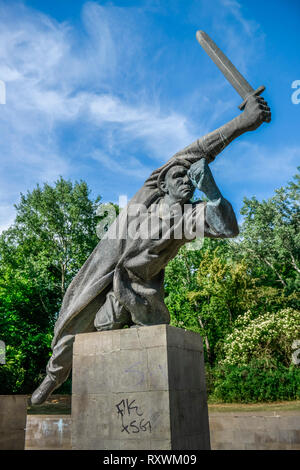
(53, 234)
(268, 336)
(271, 237)
(241, 295)
(258, 381)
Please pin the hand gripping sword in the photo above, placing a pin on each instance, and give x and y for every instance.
(234, 77)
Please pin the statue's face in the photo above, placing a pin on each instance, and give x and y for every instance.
(178, 185)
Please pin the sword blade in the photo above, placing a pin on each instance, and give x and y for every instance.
(234, 77)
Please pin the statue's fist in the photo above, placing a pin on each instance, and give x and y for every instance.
(256, 112)
(202, 178)
(200, 174)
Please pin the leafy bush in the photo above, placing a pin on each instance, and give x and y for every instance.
(259, 381)
(268, 336)
(12, 373)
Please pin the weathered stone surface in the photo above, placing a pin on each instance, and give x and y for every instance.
(139, 388)
(262, 431)
(13, 410)
(48, 432)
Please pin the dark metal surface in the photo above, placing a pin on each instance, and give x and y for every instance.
(234, 77)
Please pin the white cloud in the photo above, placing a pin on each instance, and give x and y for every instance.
(7, 215)
(253, 163)
(161, 134)
(235, 8)
(57, 76)
(92, 81)
(130, 167)
(244, 39)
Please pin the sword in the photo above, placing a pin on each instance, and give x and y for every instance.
(234, 77)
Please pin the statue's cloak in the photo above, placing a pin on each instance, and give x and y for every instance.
(105, 270)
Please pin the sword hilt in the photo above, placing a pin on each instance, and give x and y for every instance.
(256, 92)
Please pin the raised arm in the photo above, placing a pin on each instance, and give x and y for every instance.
(256, 112)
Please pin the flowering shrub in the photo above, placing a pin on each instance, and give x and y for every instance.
(268, 336)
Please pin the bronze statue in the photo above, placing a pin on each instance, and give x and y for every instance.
(121, 283)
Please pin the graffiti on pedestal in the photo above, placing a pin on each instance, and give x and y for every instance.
(132, 417)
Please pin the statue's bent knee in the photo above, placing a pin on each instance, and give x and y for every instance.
(112, 315)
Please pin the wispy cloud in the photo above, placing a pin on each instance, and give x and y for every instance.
(255, 170)
(131, 167)
(91, 96)
(254, 162)
(244, 39)
(56, 76)
(7, 215)
(159, 132)
(235, 8)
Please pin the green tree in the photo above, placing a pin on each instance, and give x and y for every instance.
(190, 304)
(53, 234)
(270, 236)
(254, 278)
(223, 293)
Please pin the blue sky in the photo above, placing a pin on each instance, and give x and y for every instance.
(107, 91)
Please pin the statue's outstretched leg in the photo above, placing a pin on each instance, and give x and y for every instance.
(110, 317)
(58, 369)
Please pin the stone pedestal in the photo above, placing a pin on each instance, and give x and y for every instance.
(139, 388)
(13, 412)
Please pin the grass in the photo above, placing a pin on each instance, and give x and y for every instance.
(254, 407)
(55, 405)
(61, 405)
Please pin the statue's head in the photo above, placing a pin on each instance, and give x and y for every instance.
(175, 183)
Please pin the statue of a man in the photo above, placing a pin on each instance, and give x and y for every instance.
(121, 283)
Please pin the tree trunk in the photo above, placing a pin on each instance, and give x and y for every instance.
(205, 340)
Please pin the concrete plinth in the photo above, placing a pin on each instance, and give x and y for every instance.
(13, 410)
(139, 388)
(48, 432)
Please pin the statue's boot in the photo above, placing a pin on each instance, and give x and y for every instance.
(43, 391)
